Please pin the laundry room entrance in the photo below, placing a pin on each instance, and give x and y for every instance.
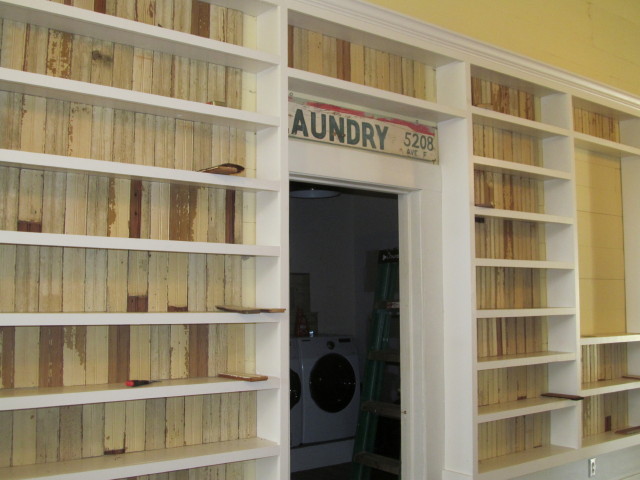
(343, 251)
(411, 191)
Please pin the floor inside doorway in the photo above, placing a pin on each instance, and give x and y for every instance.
(337, 472)
(334, 472)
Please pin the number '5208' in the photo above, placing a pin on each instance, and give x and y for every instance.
(417, 140)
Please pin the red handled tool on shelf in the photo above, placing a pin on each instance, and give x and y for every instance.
(138, 383)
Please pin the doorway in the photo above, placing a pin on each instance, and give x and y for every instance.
(335, 236)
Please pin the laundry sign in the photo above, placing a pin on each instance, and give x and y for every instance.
(347, 127)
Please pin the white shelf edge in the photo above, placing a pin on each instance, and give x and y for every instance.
(46, 161)
(120, 243)
(529, 462)
(338, 90)
(24, 398)
(120, 30)
(542, 264)
(251, 7)
(525, 312)
(506, 361)
(148, 462)
(75, 91)
(529, 406)
(608, 147)
(510, 466)
(35, 319)
(609, 386)
(531, 171)
(609, 442)
(513, 123)
(613, 338)
(522, 216)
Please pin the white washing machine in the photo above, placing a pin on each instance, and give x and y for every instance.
(330, 388)
(295, 394)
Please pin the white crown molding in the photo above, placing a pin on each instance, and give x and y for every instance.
(384, 22)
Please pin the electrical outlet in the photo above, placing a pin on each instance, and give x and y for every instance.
(592, 467)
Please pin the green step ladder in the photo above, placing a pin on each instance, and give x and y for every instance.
(385, 311)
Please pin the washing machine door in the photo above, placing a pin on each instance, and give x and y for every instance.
(295, 388)
(332, 383)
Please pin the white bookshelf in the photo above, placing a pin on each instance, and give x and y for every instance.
(261, 117)
(48, 162)
(344, 92)
(452, 417)
(139, 102)
(148, 462)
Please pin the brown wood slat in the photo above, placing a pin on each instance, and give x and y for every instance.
(100, 6)
(179, 228)
(51, 356)
(119, 352)
(230, 216)
(198, 350)
(135, 212)
(8, 338)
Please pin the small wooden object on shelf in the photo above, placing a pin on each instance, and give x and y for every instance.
(241, 309)
(562, 395)
(248, 377)
(224, 169)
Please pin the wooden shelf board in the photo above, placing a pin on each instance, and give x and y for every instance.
(504, 121)
(341, 91)
(521, 359)
(74, 91)
(522, 216)
(609, 338)
(23, 398)
(44, 161)
(607, 147)
(525, 312)
(146, 463)
(527, 406)
(520, 463)
(120, 30)
(609, 386)
(133, 318)
(121, 243)
(543, 264)
(520, 169)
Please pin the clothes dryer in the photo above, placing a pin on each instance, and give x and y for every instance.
(330, 388)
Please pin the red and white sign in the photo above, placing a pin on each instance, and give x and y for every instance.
(322, 122)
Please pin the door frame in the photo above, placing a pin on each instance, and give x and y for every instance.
(418, 187)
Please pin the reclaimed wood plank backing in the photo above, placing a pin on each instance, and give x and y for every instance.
(112, 64)
(317, 53)
(605, 413)
(90, 355)
(504, 99)
(57, 433)
(86, 131)
(56, 279)
(513, 435)
(511, 384)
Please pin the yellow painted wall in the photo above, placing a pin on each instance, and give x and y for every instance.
(598, 39)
